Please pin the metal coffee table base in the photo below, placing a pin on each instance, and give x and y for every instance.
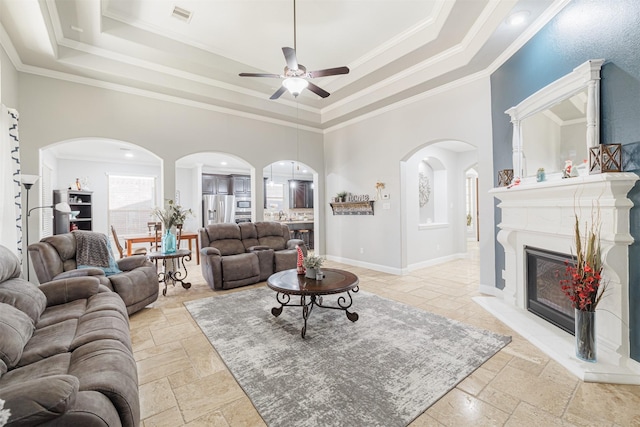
(308, 301)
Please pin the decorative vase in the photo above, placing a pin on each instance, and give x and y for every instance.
(540, 175)
(585, 335)
(168, 242)
(311, 273)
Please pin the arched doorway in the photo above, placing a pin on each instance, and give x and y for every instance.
(100, 165)
(201, 176)
(290, 196)
(434, 202)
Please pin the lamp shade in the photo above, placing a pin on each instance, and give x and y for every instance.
(63, 207)
(28, 180)
(295, 85)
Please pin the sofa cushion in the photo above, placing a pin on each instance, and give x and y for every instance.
(9, 265)
(226, 238)
(271, 234)
(239, 267)
(286, 260)
(25, 296)
(54, 365)
(39, 400)
(62, 312)
(16, 329)
(249, 235)
(65, 246)
(49, 341)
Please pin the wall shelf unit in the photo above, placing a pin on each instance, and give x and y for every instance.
(80, 201)
(352, 208)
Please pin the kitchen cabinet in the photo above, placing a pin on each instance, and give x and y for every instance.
(80, 201)
(216, 184)
(300, 194)
(242, 185)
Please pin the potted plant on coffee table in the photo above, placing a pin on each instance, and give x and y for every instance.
(313, 264)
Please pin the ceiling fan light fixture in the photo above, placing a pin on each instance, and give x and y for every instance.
(295, 85)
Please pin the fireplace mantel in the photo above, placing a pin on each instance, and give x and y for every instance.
(542, 215)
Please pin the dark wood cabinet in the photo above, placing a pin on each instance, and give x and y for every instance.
(216, 184)
(80, 201)
(300, 194)
(242, 185)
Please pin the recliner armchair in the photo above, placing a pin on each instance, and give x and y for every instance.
(54, 257)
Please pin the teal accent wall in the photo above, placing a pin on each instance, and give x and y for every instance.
(583, 30)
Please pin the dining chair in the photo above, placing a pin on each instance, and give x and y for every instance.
(121, 251)
(155, 228)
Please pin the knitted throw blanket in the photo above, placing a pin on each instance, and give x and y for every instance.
(91, 248)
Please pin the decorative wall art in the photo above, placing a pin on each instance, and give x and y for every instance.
(424, 188)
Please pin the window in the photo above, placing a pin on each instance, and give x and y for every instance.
(131, 201)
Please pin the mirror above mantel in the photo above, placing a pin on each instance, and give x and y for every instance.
(558, 123)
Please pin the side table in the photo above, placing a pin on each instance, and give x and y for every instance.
(171, 272)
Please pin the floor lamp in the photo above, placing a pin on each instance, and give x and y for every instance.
(27, 182)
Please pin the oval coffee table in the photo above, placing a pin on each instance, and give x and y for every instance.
(288, 282)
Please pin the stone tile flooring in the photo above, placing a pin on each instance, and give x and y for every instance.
(184, 382)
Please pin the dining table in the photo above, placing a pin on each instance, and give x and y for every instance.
(190, 236)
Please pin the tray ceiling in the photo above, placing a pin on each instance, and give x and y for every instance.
(394, 48)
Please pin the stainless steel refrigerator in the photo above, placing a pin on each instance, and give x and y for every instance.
(218, 208)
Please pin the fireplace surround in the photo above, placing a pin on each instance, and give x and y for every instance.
(542, 215)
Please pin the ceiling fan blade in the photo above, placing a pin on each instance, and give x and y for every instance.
(276, 76)
(329, 72)
(317, 90)
(278, 93)
(290, 56)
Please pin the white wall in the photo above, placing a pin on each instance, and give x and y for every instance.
(56, 110)
(189, 188)
(376, 148)
(8, 81)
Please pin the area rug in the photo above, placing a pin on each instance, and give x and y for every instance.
(383, 370)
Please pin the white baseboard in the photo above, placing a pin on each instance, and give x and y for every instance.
(370, 266)
(393, 270)
(436, 261)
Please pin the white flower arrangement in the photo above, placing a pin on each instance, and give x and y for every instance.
(4, 413)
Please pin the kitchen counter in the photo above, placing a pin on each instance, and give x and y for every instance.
(295, 225)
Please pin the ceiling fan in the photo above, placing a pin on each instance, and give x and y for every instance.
(295, 75)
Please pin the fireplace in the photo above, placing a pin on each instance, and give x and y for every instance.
(541, 216)
(545, 298)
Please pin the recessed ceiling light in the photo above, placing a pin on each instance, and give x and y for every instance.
(129, 154)
(518, 18)
(281, 163)
(223, 163)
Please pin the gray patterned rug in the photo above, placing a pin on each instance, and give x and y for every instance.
(383, 370)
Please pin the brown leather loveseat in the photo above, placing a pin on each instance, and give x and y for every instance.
(236, 255)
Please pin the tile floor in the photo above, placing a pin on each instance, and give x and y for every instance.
(184, 382)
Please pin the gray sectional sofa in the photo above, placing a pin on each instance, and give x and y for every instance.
(65, 352)
(236, 255)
